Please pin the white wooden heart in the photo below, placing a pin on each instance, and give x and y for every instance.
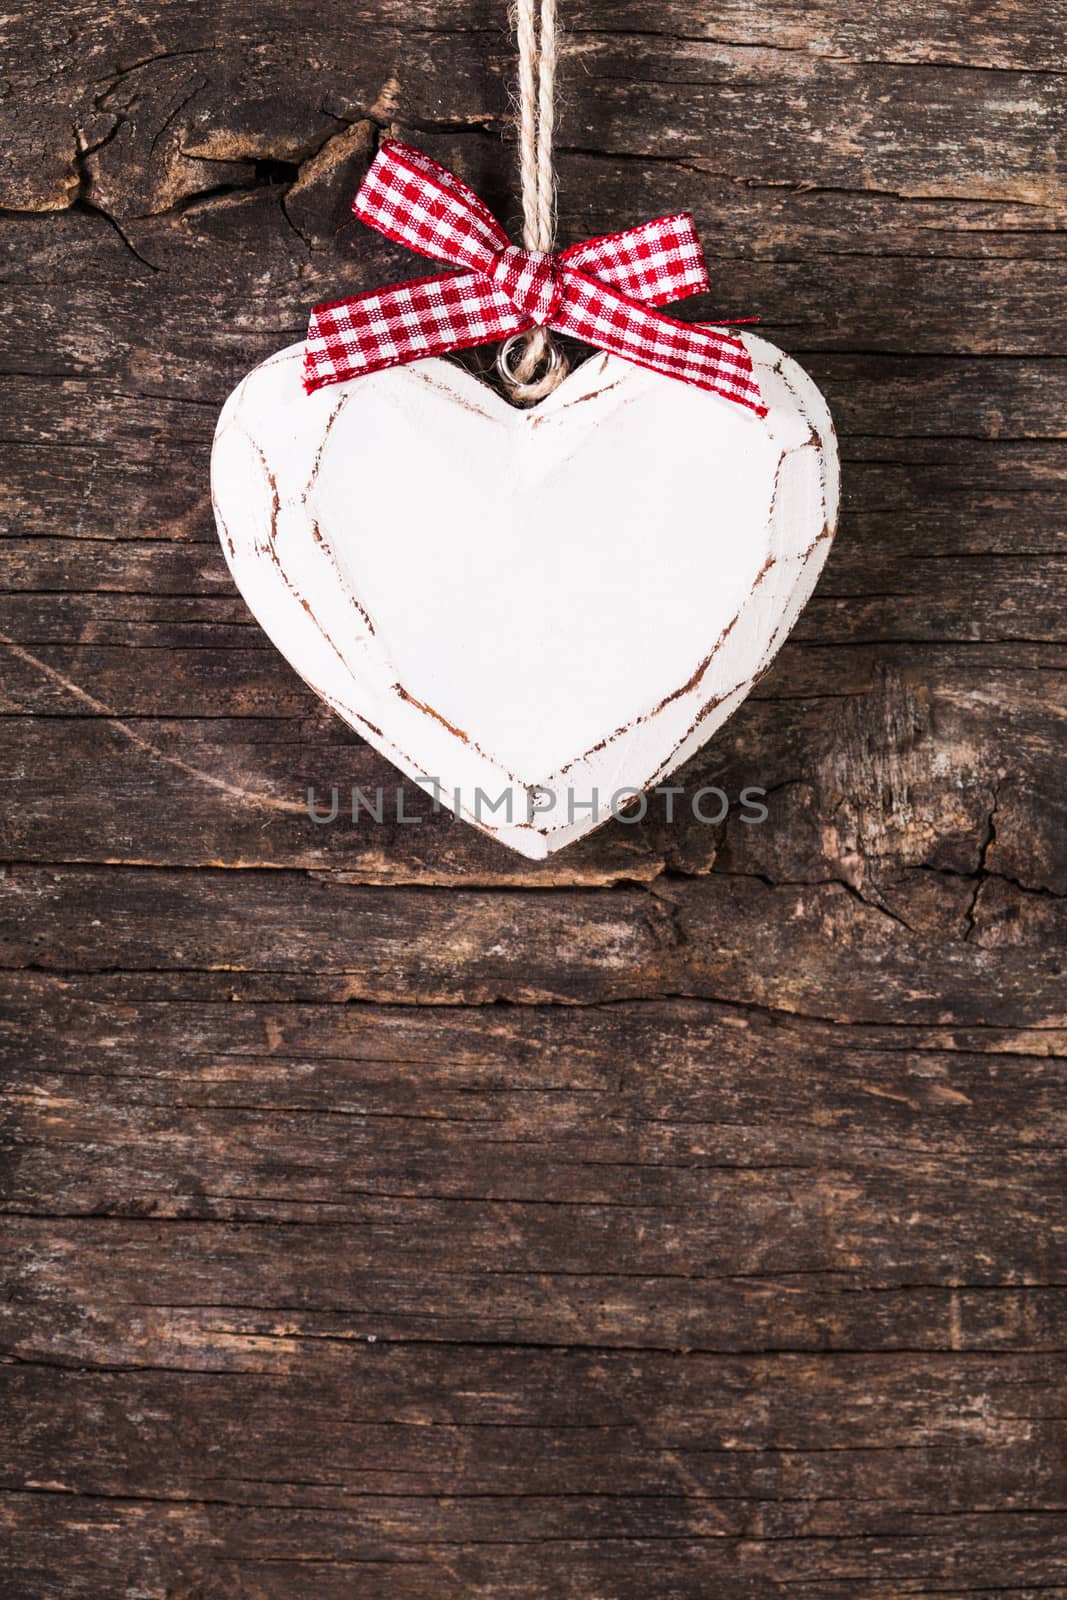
(536, 612)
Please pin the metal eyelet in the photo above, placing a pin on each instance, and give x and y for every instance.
(504, 354)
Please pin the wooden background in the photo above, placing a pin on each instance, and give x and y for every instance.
(386, 1216)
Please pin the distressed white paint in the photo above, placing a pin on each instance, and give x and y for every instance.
(566, 600)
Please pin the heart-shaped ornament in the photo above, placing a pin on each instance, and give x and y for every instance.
(534, 613)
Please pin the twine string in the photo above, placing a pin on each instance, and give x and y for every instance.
(536, 38)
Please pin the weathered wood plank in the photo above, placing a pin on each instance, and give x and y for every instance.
(252, 682)
(904, 498)
(211, 332)
(184, 118)
(703, 1443)
(926, 598)
(847, 957)
(273, 1557)
(873, 396)
(611, 1191)
(234, 791)
(204, 1295)
(703, 1469)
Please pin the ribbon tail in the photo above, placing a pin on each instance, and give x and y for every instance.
(699, 355)
(406, 322)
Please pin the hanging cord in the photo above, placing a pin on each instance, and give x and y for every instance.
(537, 94)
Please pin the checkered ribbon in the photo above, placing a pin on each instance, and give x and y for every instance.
(593, 291)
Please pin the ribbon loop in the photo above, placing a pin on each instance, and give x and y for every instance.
(596, 291)
(415, 201)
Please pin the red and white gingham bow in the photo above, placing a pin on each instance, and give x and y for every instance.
(593, 290)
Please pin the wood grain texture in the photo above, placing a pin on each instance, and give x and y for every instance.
(386, 1215)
